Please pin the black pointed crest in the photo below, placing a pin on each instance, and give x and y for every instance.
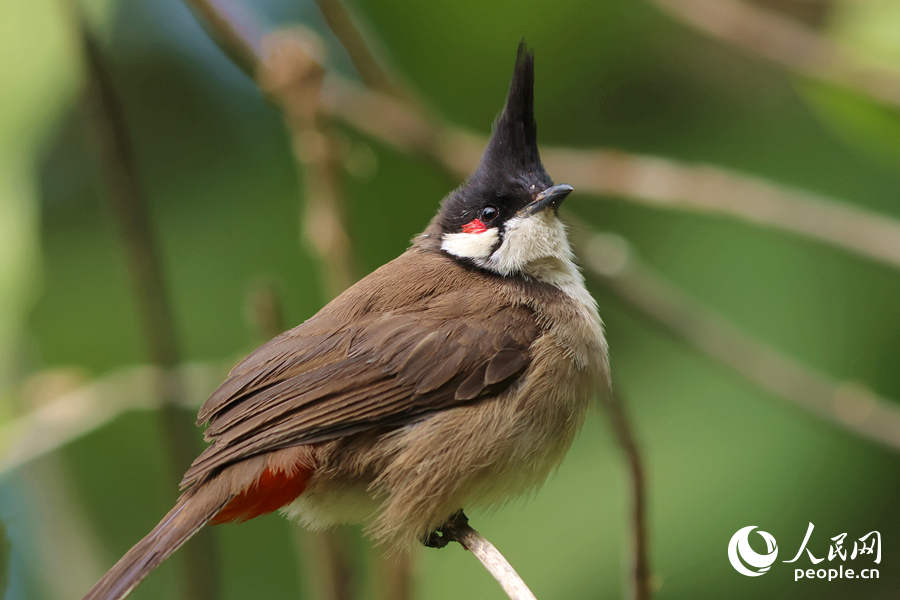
(513, 143)
(510, 172)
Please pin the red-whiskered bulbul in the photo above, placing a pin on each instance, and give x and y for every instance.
(455, 376)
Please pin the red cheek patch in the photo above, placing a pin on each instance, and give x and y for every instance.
(475, 226)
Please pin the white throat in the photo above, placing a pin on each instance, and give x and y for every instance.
(534, 245)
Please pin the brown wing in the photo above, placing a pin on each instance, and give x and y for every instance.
(385, 353)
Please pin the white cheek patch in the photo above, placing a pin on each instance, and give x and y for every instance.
(537, 246)
(528, 240)
(471, 245)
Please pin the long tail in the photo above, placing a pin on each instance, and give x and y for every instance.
(254, 487)
(191, 513)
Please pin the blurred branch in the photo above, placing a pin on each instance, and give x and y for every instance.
(845, 404)
(70, 416)
(287, 66)
(347, 31)
(648, 180)
(292, 74)
(235, 31)
(330, 567)
(640, 576)
(395, 581)
(457, 529)
(381, 114)
(108, 124)
(664, 183)
(265, 311)
(786, 42)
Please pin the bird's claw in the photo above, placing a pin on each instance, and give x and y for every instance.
(435, 539)
(446, 533)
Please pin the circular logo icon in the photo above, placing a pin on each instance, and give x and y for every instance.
(740, 552)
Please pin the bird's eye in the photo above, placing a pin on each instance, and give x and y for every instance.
(489, 213)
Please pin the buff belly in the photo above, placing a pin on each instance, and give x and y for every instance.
(471, 457)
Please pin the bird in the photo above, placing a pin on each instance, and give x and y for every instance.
(454, 377)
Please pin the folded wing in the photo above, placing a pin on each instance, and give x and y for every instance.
(333, 376)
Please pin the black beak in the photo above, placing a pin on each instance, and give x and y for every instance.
(551, 197)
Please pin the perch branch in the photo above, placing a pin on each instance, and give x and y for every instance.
(845, 404)
(787, 43)
(457, 529)
(132, 216)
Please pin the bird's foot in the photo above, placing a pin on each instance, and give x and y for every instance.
(435, 539)
(446, 533)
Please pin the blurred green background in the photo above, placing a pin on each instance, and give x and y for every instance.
(216, 165)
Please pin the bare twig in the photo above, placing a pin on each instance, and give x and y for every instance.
(135, 229)
(346, 28)
(457, 529)
(648, 180)
(667, 184)
(59, 421)
(639, 579)
(657, 182)
(843, 403)
(653, 181)
(788, 43)
(292, 74)
(395, 581)
(265, 311)
(235, 31)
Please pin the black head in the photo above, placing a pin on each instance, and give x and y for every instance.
(510, 175)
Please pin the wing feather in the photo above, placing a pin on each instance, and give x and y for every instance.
(346, 370)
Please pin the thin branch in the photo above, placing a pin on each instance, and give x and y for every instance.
(639, 579)
(265, 311)
(298, 84)
(667, 184)
(788, 43)
(346, 28)
(234, 30)
(648, 180)
(457, 529)
(136, 234)
(652, 181)
(292, 74)
(129, 207)
(58, 422)
(845, 404)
